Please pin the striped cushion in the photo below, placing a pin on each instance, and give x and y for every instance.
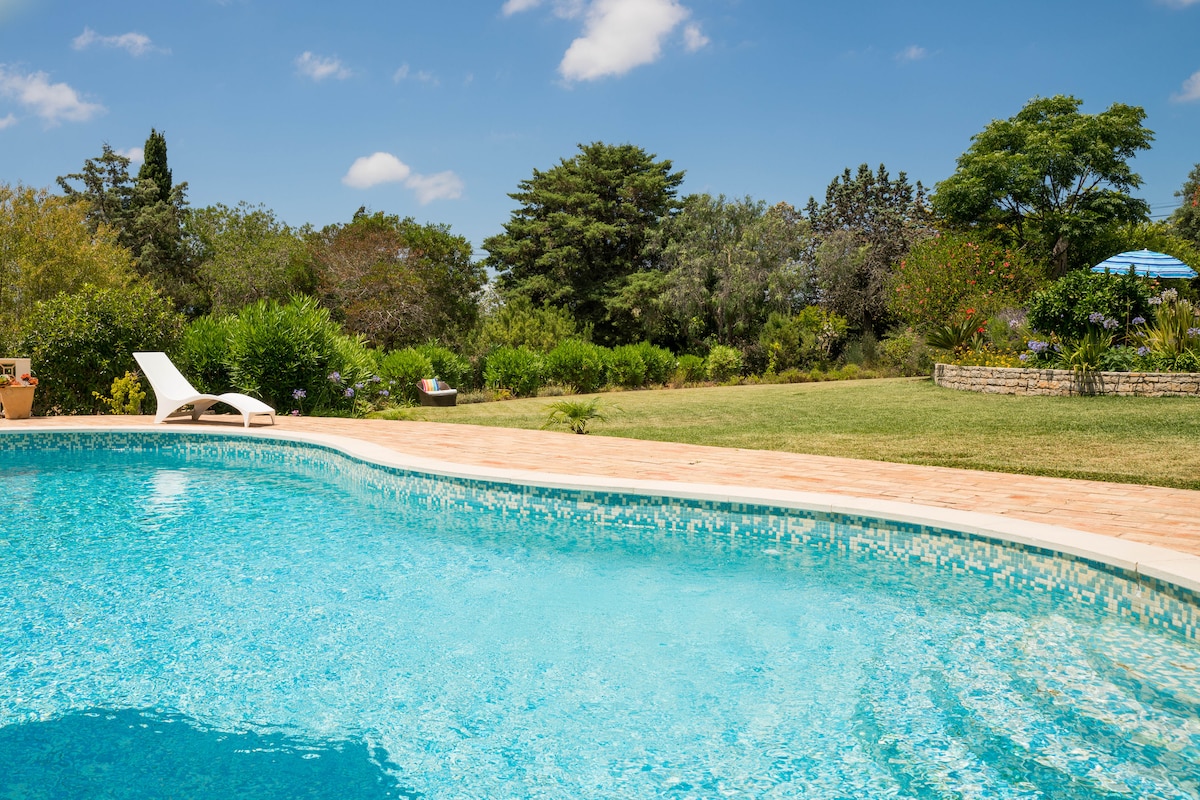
(428, 384)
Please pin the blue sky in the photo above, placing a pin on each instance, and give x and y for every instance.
(438, 109)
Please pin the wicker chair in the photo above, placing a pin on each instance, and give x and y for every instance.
(432, 392)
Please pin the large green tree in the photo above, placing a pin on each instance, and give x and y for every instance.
(1186, 219)
(582, 227)
(866, 225)
(731, 263)
(1049, 178)
(147, 213)
(397, 282)
(244, 254)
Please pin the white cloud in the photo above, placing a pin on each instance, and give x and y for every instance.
(319, 68)
(517, 6)
(53, 102)
(8, 122)
(693, 38)
(136, 44)
(400, 74)
(135, 154)
(566, 9)
(620, 35)
(1189, 91)
(375, 169)
(379, 168)
(442, 186)
(1179, 3)
(912, 53)
(423, 76)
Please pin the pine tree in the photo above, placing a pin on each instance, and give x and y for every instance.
(154, 166)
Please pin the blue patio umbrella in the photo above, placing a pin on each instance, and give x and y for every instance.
(1146, 263)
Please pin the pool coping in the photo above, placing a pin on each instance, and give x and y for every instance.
(1160, 563)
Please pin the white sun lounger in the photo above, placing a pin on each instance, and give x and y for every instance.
(172, 392)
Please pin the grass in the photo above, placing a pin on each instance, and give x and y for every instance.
(1141, 440)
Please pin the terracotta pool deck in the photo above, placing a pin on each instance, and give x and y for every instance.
(1152, 515)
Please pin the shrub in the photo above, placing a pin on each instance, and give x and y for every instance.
(691, 369)
(518, 323)
(574, 414)
(401, 369)
(948, 275)
(127, 395)
(805, 339)
(1172, 339)
(1063, 309)
(723, 363)
(518, 370)
(79, 343)
(659, 361)
(446, 364)
(581, 365)
(626, 367)
(276, 349)
(202, 353)
(904, 351)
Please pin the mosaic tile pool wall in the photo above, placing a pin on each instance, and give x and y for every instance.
(679, 523)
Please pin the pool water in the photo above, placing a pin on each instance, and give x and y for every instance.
(178, 626)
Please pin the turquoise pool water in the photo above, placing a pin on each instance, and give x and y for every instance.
(204, 617)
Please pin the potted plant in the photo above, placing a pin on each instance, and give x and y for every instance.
(16, 395)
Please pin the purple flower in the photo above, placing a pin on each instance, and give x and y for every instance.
(295, 412)
(1096, 318)
(376, 379)
(1038, 347)
(1143, 351)
(336, 377)
(1155, 301)
(1024, 356)
(1109, 324)
(299, 394)
(1193, 331)
(384, 393)
(1138, 320)
(358, 386)
(349, 392)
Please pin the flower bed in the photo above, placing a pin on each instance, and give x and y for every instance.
(1065, 382)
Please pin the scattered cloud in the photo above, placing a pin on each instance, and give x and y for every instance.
(693, 38)
(135, 154)
(442, 186)
(423, 76)
(136, 44)
(619, 35)
(53, 102)
(566, 9)
(375, 169)
(379, 168)
(319, 68)
(1190, 90)
(912, 53)
(8, 122)
(1179, 3)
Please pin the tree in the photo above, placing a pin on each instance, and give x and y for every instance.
(731, 263)
(46, 248)
(1186, 219)
(244, 254)
(1049, 178)
(397, 282)
(583, 226)
(146, 213)
(866, 225)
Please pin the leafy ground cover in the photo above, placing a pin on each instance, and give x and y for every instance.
(907, 420)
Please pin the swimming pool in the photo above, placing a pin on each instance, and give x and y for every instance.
(212, 615)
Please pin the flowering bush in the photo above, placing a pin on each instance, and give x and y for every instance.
(1081, 300)
(944, 276)
(1172, 341)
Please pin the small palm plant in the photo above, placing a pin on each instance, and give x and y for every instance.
(575, 414)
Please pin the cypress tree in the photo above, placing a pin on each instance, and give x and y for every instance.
(154, 166)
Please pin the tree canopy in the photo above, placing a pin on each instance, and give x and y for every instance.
(582, 226)
(1049, 177)
(866, 225)
(1186, 219)
(397, 282)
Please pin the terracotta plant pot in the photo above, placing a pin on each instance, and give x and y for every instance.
(17, 401)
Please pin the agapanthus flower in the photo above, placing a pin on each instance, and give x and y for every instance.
(1155, 301)
(1038, 347)
(299, 394)
(384, 393)
(1096, 318)
(1138, 320)
(1110, 323)
(349, 392)
(358, 386)
(1143, 351)
(376, 379)
(336, 377)
(1193, 331)
(1024, 356)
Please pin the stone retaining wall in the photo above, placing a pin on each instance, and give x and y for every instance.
(1064, 382)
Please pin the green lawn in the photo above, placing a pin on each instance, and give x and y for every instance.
(1131, 440)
